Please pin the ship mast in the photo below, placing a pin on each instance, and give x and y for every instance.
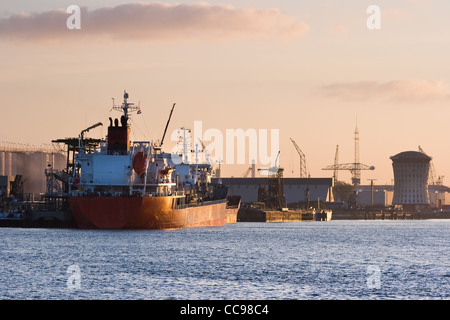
(126, 106)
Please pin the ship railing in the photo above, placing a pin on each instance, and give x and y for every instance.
(168, 184)
(8, 146)
(199, 204)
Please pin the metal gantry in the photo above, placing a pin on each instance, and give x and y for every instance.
(355, 167)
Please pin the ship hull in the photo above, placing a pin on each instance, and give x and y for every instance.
(96, 212)
(233, 205)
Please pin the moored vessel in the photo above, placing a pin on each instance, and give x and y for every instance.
(323, 215)
(135, 185)
(232, 208)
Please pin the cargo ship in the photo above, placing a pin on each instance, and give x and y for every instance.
(135, 185)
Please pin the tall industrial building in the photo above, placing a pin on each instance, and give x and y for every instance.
(411, 169)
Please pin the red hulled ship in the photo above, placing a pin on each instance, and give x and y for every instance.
(134, 185)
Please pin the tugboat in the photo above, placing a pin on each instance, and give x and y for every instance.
(134, 185)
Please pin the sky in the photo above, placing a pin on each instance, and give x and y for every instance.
(313, 70)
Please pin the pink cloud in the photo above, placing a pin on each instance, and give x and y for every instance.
(396, 14)
(154, 22)
(339, 30)
(408, 90)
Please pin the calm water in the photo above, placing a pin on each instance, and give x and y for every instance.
(309, 260)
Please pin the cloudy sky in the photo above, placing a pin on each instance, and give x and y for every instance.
(311, 69)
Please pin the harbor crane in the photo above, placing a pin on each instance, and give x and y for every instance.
(87, 129)
(275, 197)
(82, 141)
(302, 157)
(336, 164)
(205, 150)
(433, 178)
(355, 167)
(273, 170)
(247, 172)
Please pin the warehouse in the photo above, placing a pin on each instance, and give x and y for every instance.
(295, 189)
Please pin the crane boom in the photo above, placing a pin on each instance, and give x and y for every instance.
(91, 127)
(303, 173)
(167, 124)
(246, 173)
(336, 164)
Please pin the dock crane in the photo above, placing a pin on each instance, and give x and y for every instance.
(433, 178)
(275, 197)
(91, 127)
(247, 172)
(336, 164)
(206, 152)
(303, 172)
(355, 167)
(272, 170)
(82, 142)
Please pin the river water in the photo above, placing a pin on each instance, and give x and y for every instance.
(376, 259)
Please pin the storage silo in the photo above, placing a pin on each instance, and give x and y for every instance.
(411, 180)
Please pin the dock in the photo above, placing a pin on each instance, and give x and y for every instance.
(37, 219)
(249, 214)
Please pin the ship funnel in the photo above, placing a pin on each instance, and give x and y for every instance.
(118, 137)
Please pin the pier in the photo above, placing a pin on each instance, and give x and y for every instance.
(248, 214)
(389, 215)
(251, 214)
(37, 219)
(392, 215)
(47, 212)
